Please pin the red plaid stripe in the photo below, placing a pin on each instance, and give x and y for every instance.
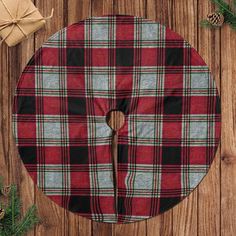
(172, 118)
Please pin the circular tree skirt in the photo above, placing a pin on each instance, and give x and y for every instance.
(161, 85)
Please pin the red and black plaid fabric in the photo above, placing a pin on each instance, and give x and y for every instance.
(172, 118)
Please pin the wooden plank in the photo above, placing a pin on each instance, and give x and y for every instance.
(76, 225)
(209, 201)
(185, 23)
(99, 8)
(137, 8)
(58, 21)
(228, 144)
(18, 58)
(160, 11)
(12, 61)
(51, 214)
(185, 216)
(160, 225)
(133, 229)
(78, 10)
(17, 171)
(101, 229)
(4, 94)
(209, 189)
(102, 7)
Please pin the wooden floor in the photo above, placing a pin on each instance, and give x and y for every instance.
(211, 209)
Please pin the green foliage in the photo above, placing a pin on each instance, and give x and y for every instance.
(12, 223)
(227, 11)
(1, 182)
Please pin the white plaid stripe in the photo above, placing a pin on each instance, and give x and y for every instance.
(191, 176)
(101, 180)
(54, 179)
(143, 130)
(52, 130)
(198, 130)
(198, 82)
(57, 40)
(143, 181)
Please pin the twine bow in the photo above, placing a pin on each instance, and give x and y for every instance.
(18, 17)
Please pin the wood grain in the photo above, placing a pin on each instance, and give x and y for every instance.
(99, 8)
(138, 8)
(160, 11)
(209, 191)
(228, 147)
(53, 217)
(18, 173)
(211, 209)
(78, 10)
(185, 213)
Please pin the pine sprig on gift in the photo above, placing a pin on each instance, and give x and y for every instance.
(224, 14)
(12, 223)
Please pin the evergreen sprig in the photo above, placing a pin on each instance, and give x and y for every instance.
(12, 222)
(227, 11)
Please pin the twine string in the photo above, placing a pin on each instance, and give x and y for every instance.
(17, 17)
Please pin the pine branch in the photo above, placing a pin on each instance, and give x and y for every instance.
(13, 195)
(15, 205)
(12, 212)
(234, 7)
(1, 184)
(223, 6)
(233, 26)
(228, 13)
(28, 221)
(11, 224)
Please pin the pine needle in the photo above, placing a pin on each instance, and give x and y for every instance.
(223, 6)
(15, 204)
(1, 184)
(12, 224)
(228, 13)
(27, 222)
(234, 7)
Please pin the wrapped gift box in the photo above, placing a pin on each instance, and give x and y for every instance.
(18, 19)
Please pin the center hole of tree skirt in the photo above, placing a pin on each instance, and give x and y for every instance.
(115, 119)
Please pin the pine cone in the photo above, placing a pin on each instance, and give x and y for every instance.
(2, 213)
(6, 190)
(215, 19)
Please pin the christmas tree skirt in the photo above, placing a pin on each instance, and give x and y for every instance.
(171, 118)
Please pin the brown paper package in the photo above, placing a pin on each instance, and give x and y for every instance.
(29, 27)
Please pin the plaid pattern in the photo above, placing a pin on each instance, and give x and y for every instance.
(172, 118)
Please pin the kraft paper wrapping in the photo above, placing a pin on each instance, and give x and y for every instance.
(18, 20)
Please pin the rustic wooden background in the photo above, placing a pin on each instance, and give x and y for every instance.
(211, 209)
